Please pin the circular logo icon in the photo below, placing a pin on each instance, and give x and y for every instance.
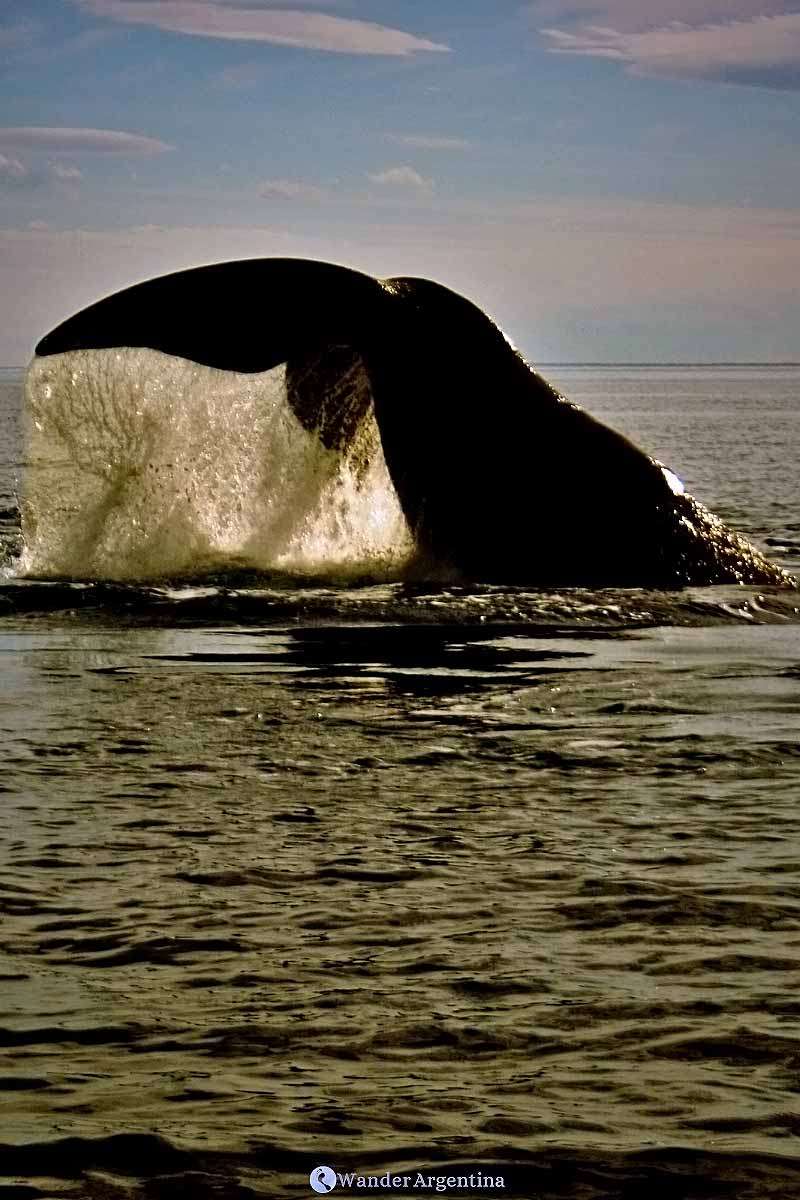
(322, 1179)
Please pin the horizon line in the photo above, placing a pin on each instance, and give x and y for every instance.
(720, 362)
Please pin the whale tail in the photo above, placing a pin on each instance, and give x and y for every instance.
(374, 405)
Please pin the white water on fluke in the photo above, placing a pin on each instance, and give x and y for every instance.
(141, 465)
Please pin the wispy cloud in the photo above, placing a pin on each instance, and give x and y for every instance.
(13, 171)
(754, 42)
(65, 173)
(400, 177)
(632, 15)
(23, 33)
(66, 140)
(309, 30)
(423, 142)
(291, 189)
(12, 168)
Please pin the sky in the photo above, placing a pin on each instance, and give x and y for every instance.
(613, 180)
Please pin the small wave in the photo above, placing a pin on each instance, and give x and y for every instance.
(93, 1168)
(671, 908)
(265, 601)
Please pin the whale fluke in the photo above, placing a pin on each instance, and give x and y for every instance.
(498, 475)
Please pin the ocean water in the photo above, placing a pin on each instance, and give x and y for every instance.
(478, 882)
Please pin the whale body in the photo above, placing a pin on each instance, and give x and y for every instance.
(498, 475)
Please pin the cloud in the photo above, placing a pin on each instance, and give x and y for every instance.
(15, 172)
(421, 142)
(65, 140)
(24, 33)
(400, 177)
(65, 173)
(755, 42)
(12, 168)
(280, 26)
(631, 15)
(290, 189)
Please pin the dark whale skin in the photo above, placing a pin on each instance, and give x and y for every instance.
(499, 476)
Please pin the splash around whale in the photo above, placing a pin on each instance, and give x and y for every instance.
(302, 417)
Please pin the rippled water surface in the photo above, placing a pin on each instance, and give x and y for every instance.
(390, 878)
